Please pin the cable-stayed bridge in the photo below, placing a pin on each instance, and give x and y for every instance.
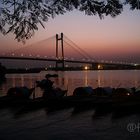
(61, 50)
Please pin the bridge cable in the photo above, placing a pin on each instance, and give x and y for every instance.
(83, 55)
(87, 55)
(29, 46)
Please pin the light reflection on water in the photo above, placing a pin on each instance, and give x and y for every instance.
(72, 79)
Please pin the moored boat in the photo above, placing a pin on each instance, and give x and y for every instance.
(16, 96)
(57, 99)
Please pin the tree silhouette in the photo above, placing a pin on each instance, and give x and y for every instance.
(22, 17)
(135, 4)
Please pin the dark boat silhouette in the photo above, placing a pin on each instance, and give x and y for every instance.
(101, 102)
(16, 96)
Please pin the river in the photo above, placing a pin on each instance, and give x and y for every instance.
(72, 79)
(66, 124)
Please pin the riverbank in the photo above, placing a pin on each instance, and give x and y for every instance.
(31, 70)
(37, 70)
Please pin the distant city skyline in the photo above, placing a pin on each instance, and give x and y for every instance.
(116, 39)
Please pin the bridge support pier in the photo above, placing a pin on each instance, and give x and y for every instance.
(60, 65)
(94, 66)
(97, 66)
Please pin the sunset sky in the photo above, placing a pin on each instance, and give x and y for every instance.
(107, 39)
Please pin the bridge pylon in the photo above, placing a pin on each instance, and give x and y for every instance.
(60, 59)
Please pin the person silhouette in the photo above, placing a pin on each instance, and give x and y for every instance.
(47, 87)
(48, 83)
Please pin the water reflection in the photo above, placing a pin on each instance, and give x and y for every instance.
(13, 81)
(86, 78)
(136, 80)
(99, 79)
(72, 79)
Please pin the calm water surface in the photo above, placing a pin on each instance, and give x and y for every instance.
(72, 79)
(69, 124)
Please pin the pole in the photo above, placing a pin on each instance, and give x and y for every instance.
(56, 45)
